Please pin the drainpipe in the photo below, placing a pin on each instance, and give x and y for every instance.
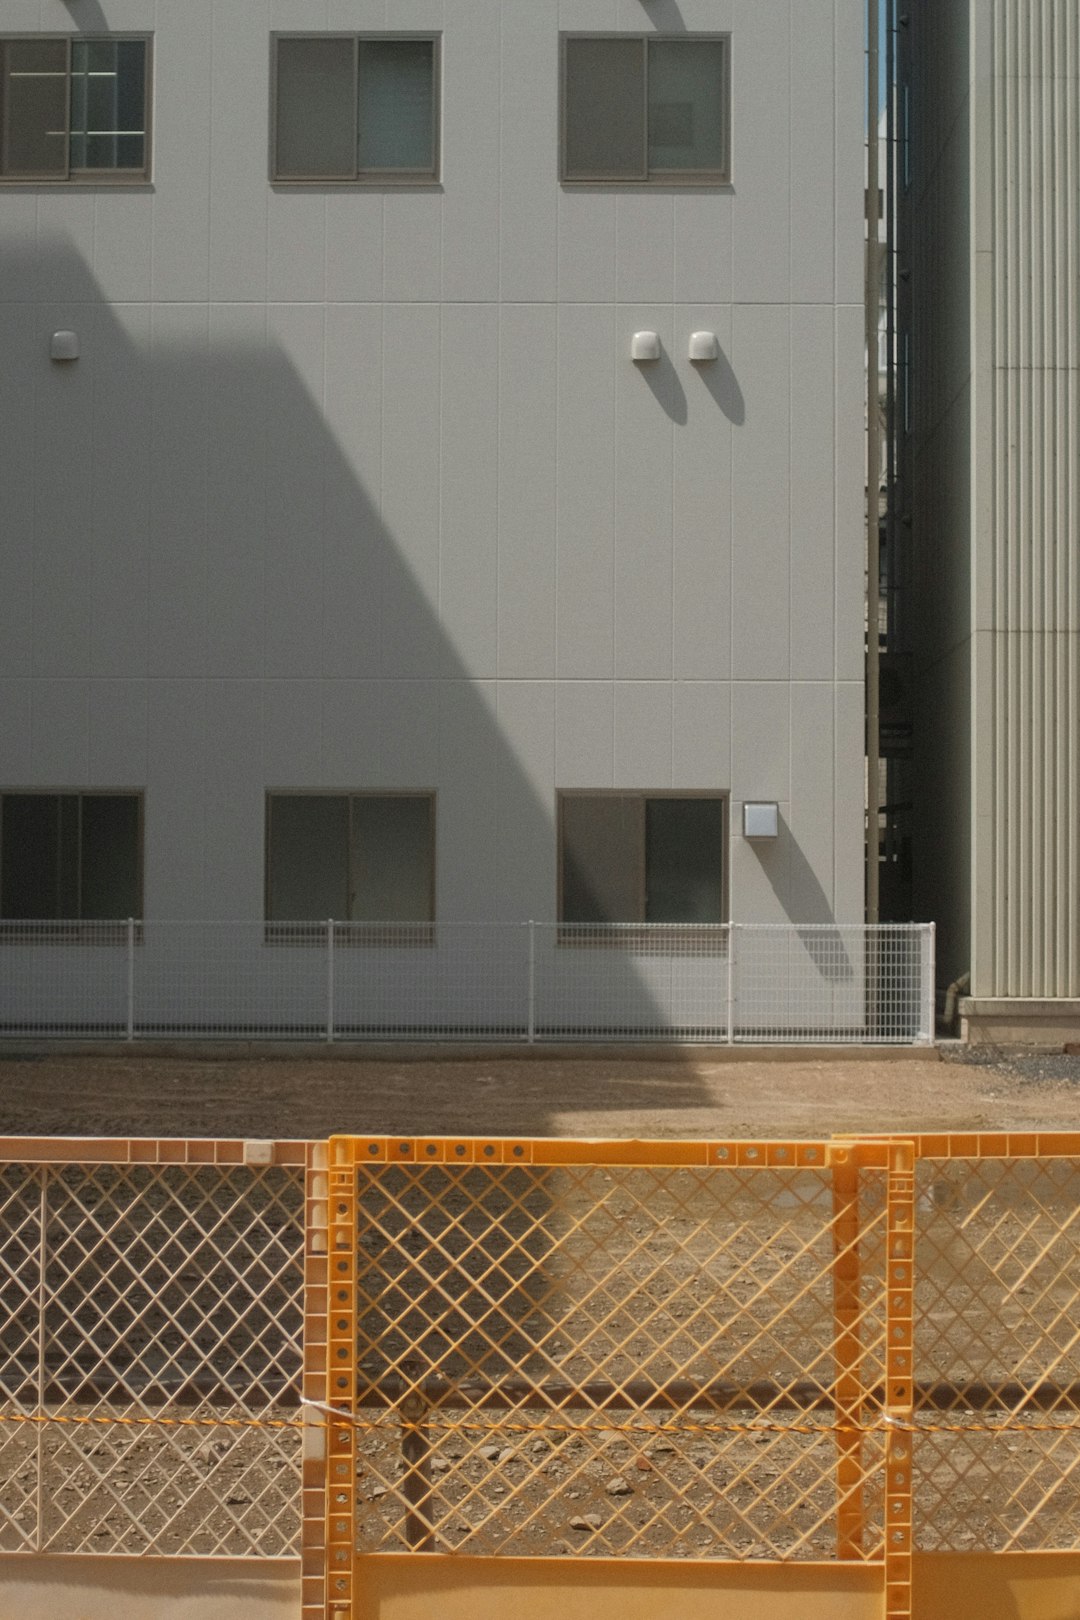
(958, 988)
(873, 466)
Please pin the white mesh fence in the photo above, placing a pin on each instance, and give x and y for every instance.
(823, 983)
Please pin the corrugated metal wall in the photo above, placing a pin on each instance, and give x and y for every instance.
(1033, 550)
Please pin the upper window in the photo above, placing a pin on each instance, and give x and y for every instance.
(359, 857)
(74, 108)
(70, 856)
(645, 108)
(641, 857)
(355, 107)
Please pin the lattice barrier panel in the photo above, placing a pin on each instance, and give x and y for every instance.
(151, 1352)
(997, 1342)
(669, 1350)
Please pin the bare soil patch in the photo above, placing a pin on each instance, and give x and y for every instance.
(592, 1094)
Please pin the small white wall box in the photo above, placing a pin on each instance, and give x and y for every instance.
(64, 346)
(704, 346)
(645, 346)
(760, 821)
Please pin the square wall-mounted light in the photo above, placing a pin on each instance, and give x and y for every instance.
(761, 820)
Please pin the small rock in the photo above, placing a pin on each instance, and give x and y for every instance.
(618, 1487)
(662, 1448)
(490, 1453)
(207, 1452)
(643, 1465)
(380, 1490)
(439, 1465)
(586, 1521)
(235, 1497)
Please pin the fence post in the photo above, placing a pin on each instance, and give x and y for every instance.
(130, 1030)
(930, 985)
(531, 1037)
(329, 978)
(731, 984)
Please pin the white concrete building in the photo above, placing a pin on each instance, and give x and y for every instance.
(355, 567)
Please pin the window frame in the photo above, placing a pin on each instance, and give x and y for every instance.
(380, 179)
(78, 930)
(87, 177)
(711, 178)
(348, 930)
(638, 931)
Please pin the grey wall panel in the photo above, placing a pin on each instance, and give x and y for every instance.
(1033, 547)
(585, 518)
(702, 500)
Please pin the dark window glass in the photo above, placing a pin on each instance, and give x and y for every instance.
(640, 107)
(396, 105)
(108, 104)
(605, 109)
(34, 93)
(308, 864)
(352, 107)
(72, 106)
(110, 855)
(684, 860)
(70, 856)
(636, 857)
(602, 874)
(352, 857)
(316, 108)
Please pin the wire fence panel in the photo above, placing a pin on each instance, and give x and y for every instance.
(610, 1358)
(231, 979)
(59, 978)
(431, 981)
(150, 1358)
(997, 1456)
(627, 982)
(480, 981)
(826, 983)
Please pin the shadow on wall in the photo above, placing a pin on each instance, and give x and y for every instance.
(790, 873)
(213, 604)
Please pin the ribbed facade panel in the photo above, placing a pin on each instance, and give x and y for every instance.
(1032, 857)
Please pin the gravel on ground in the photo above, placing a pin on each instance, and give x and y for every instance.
(689, 1093)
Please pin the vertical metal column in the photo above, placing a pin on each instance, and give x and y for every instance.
(341, 1380)
(313, 1389)
(873, 471)
(731, 984)
(39, 1439)
(330, 979)
(532, 983)
(130, 1029)
(899, 1379)
(848, 1391)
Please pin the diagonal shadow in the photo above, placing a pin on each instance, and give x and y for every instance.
(215, 604)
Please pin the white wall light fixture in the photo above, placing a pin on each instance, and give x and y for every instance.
(704, 346)
(64, 346)
(645, 346)
(761, 820)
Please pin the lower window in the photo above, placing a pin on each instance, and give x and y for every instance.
(355, 857)
(70, 856)
(641, 858)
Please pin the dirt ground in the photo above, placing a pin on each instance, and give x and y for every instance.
(300, 1093)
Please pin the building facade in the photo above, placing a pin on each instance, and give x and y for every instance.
(432, 459)
(990, 216)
